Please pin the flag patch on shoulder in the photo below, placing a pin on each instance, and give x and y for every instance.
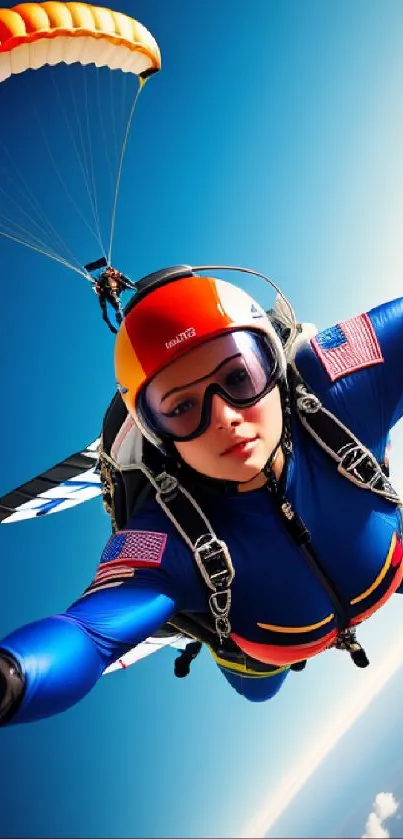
(347, 347)
(109, 577)
(135, 548)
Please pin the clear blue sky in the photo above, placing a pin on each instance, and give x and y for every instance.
(272, 138)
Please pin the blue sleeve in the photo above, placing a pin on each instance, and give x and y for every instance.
(387, 321)
(369, 398)
(62, 657)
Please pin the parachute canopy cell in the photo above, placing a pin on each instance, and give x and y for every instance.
(35, 34)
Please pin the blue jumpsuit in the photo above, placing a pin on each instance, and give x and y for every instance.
(280, 610)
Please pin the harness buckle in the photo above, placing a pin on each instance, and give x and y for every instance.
(220, 602)
(214, 562)
(360, 465)
(222, 628)
(167, 486)
(307, 402)
(220, 612)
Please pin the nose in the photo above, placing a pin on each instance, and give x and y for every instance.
(224, 415)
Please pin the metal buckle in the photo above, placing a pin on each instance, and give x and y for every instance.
(222, 628)
(360, 465)
(221, 578)
(167, 486)
(307, 402)
(356, 461)
(223, 609)
(211, 549)
(208, 549)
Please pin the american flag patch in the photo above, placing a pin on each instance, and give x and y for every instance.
(347, 347)
(109, 577)
(135, 548)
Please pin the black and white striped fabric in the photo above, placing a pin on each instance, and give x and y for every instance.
(65, 485)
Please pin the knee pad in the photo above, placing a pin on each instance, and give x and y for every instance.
(12, 686)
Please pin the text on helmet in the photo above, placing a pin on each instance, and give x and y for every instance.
(181, 336)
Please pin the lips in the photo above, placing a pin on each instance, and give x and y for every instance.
(239, 445)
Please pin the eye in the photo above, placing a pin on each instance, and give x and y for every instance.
(181, 408)
(238, 377)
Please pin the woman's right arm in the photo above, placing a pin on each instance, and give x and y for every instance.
(49, 665)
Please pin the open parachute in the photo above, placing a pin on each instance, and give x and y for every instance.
(70, 76)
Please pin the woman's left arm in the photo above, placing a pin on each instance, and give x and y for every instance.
(356, 369)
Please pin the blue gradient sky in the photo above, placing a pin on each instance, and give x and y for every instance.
(272, 138)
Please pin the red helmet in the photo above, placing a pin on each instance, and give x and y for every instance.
(175, 317)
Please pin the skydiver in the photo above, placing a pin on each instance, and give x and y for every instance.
(108, 287)
(309, 551)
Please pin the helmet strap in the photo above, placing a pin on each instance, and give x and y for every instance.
(275, 485)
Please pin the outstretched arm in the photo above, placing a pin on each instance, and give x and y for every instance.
(49, 665)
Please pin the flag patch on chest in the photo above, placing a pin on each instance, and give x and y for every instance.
(347, 347)
(135, 548)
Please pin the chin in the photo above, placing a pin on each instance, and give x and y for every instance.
(248, 474)
(243, 474)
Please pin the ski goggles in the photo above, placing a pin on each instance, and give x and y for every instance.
(247, 371)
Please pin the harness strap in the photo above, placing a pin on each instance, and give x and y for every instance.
(211, 554)
(346, 636)
(354, 461)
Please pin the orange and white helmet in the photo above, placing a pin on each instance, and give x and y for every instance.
(172, 316)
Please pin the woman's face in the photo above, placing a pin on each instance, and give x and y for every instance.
(238, 441)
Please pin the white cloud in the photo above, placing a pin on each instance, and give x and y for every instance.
(384, 806)
(374, 829)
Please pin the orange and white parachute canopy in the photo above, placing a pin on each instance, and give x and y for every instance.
(78, 135)
(35, 34)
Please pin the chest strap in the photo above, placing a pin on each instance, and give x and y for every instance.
(346, 638)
